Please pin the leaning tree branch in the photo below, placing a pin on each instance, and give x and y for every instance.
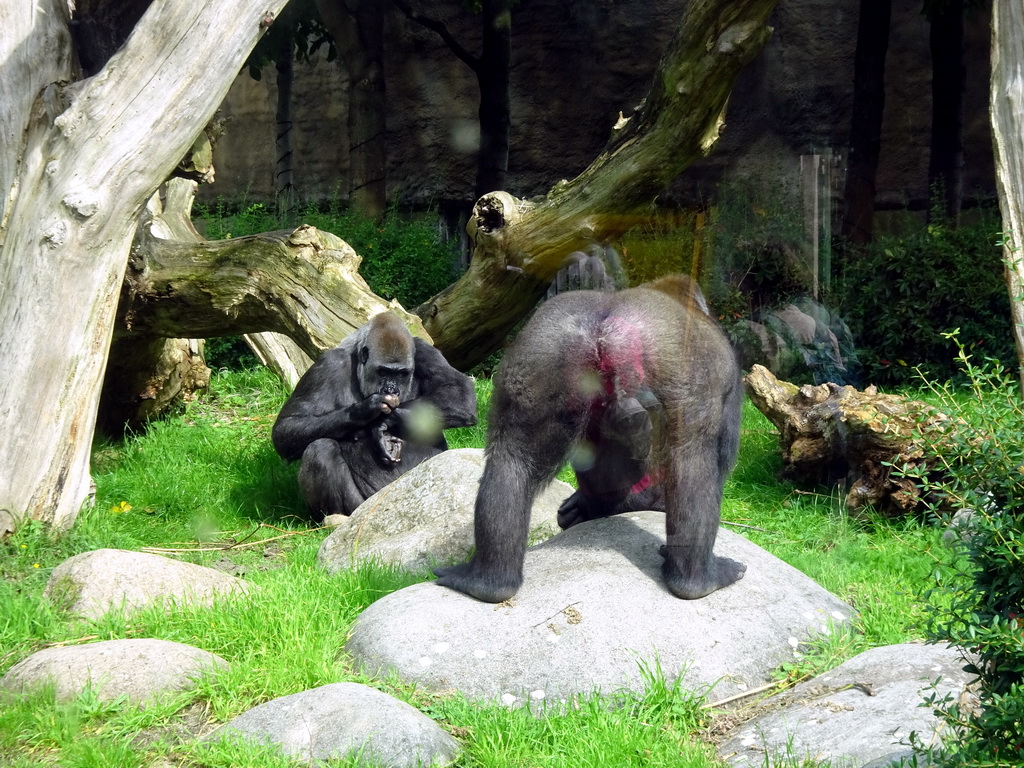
(302, 283)
(518, 246)
(441, 30)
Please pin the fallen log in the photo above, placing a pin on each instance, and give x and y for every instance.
(841, 435)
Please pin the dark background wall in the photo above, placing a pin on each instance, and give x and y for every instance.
(575, 66)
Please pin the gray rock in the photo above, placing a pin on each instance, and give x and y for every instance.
(425, 517)
(92, 583)
(339, 719)
(140, 669)
(592, 610)
(862, 712)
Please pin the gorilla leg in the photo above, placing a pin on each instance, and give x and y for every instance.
(326, 480)
(522, 456)
(699, 462)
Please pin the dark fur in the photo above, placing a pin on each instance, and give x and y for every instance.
(351, 417)
(647, 383)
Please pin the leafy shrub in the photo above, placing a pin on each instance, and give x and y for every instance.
(902, 293)
(979, 605)
(755, 246)
(403, 256)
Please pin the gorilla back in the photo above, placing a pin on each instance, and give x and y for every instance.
(642, 391)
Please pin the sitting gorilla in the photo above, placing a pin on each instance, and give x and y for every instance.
(367, 411)
(641, 391)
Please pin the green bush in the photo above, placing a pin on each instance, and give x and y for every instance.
(979, 604)
(902, 293)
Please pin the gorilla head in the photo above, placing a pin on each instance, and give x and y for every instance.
(386, 358)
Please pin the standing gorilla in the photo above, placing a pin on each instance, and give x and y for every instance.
(646, 387)
(368, 411)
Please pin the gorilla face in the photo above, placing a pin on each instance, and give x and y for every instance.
(386, 358)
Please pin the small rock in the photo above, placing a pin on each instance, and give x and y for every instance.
(93, 583)
(339, 719)
(140, 669)
(425, 517)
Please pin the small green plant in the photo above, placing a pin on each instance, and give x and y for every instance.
(979, 603)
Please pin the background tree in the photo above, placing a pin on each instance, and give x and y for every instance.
(357, 26)
(296, 35)
(949, 78)
(493, 73)
(866, 124)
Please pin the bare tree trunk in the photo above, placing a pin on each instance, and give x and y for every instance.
(77, 168)
(284, 182)
(282, 355)
(866, 123)
(1007, 113)
(518, 246)
(949, 78)
(358, 28)
(493, 72)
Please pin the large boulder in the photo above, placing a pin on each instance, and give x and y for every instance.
(861, 712)
(592, 613)
(426, 517)
(93, 583)
(338, 720)
(138, 669)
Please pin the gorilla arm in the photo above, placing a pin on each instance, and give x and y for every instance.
(327, 403)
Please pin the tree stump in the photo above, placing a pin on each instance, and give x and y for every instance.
(840, 435)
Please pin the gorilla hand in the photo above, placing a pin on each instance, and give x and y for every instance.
(387, 444)
(383, 403)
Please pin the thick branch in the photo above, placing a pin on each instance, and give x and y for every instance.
(519, 246)
(304, 284)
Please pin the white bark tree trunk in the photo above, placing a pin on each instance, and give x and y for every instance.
(77, 164)
(1007, 113)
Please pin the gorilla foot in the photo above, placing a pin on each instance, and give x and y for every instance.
(572, 511)
(469, 580)
(720, 572)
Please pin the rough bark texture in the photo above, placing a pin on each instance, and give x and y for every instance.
(78, 164)
(303, 283)
(830, 434)
(518, 246)
(1007, 112)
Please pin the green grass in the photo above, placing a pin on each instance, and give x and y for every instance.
(210, 477)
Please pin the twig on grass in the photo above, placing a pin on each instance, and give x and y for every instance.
(242, 544)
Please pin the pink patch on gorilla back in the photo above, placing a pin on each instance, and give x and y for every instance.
(620, 356)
